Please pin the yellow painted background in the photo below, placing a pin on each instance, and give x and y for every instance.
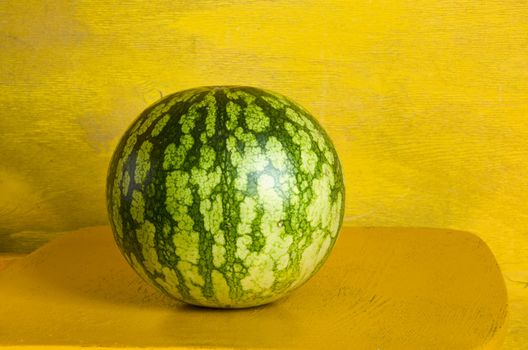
(426, 101)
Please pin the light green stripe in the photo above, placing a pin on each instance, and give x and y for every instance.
(142, 162)
(160, 125)
(137, 207)
(146, 235)
(256, 120)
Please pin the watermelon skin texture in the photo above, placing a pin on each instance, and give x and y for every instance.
(225, 196)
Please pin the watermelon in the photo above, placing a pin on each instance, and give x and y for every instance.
(225, 196)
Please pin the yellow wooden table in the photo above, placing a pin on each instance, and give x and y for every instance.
(382, 288)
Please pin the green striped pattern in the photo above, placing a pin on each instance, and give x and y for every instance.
(225, 196)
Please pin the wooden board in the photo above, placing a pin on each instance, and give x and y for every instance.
(382, 288)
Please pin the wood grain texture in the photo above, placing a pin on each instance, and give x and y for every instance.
(381, 289)
(426, 102)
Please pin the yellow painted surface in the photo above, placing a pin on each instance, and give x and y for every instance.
(382, 288)
(426, 102)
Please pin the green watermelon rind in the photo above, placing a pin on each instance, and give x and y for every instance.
(225, 196)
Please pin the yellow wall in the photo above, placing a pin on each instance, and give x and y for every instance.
(427, 102)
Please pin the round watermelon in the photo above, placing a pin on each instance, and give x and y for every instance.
(225, 196)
